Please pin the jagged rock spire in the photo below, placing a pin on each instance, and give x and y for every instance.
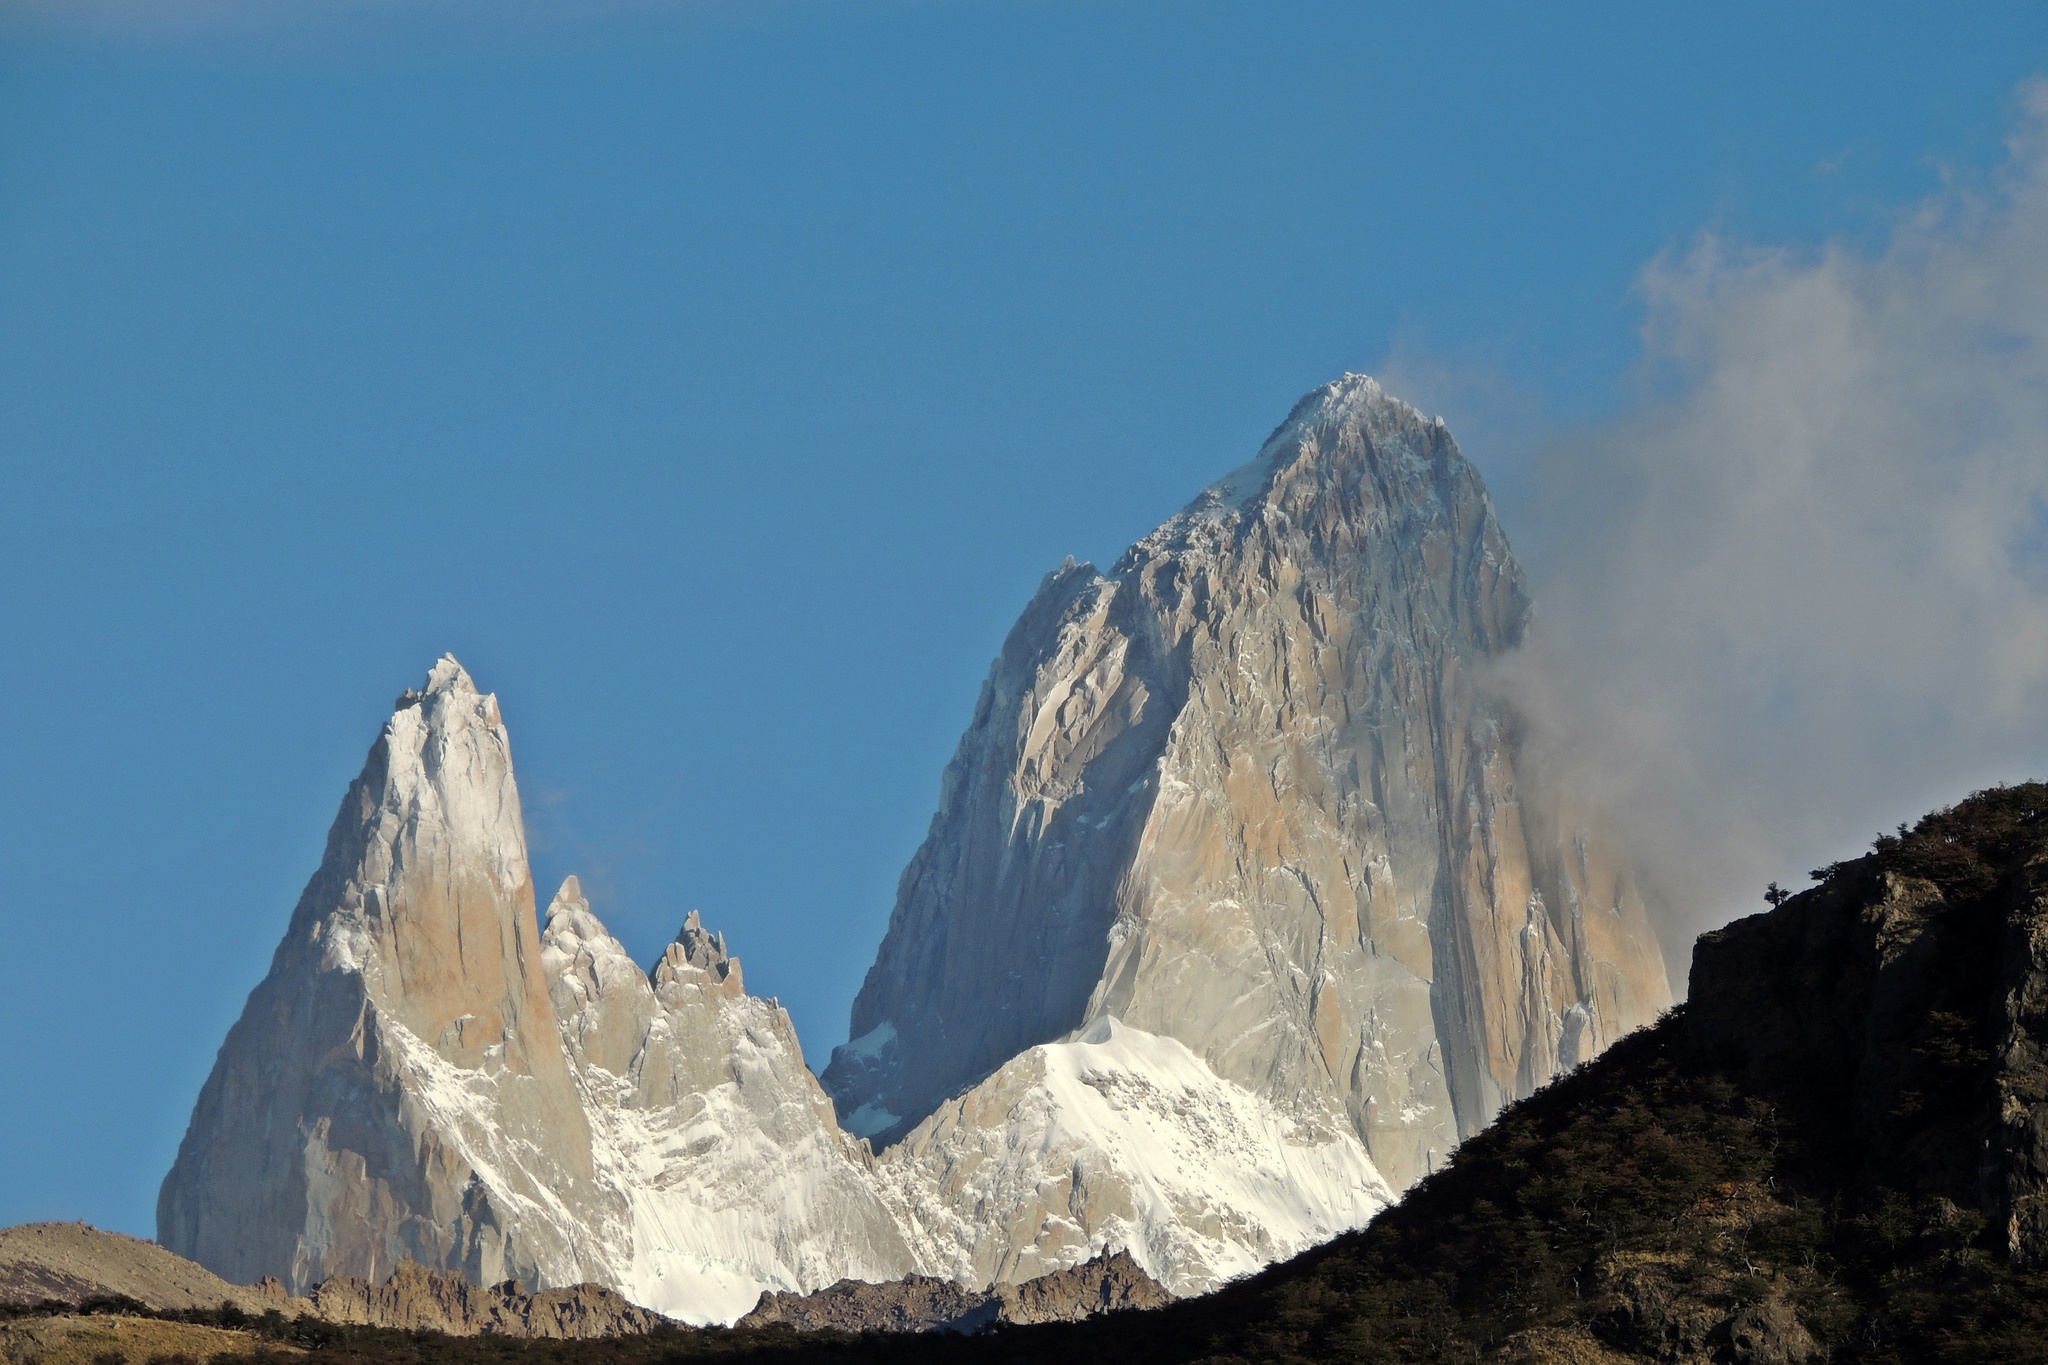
(395, 1088)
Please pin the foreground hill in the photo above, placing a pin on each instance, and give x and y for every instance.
(71, 1262)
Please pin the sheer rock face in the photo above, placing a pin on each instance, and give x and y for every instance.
(424, 1077)
(1247, 791)
(733, 1170)
(396, 1087)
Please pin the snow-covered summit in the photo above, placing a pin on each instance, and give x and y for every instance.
(1115, 1138)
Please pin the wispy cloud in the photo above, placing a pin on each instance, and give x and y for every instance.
(1802, 592)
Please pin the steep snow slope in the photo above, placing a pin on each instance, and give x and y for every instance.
(1120, 1139)
(704, 1118)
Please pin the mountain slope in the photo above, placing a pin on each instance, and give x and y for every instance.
(424, 1076)
(1121, 1139)
(1247, 791)
(395, 1088)
(735, 1175)
(1830, 1152)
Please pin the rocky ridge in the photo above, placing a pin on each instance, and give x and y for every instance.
(415, 1299)
(1109, 1283)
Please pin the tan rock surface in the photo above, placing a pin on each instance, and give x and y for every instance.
(1249, 790)
(396, 1087)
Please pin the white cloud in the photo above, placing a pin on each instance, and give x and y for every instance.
(1803, 592)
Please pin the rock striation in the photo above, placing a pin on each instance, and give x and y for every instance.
(1248, 790)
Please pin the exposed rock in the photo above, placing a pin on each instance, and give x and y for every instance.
(417, 1299)
(715, 1134)
(396, 1087)
(1239, 894)
(1247, 790)
(422, 1077)
(916, 1303)
(1109, 1283)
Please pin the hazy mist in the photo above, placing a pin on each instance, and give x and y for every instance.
(1800, 593)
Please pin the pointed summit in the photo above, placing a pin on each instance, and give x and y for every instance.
(448, 675)
(569, 897)
(1245, 791)
(411, 968)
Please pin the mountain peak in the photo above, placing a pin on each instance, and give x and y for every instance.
(448, 675)
(1360, 414)
(570, 897)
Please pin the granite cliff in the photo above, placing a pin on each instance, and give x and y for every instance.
(396, 1088)
(1248, 790)
(425, 1076)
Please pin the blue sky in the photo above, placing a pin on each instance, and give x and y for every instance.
(717, 381)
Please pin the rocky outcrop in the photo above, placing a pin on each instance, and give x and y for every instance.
(396, 1087)
(1109, 1283)
(416, 1299)
(915, 1303)
(1905, 1001)
(1248, 790)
